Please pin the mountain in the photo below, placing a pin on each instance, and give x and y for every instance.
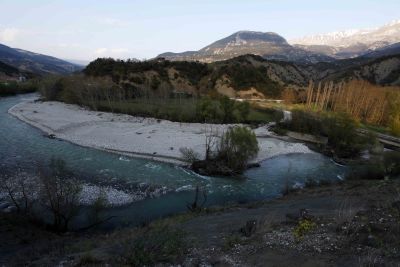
(78, 62)
(351, 43)
(393, 49)
(36, 63)
(8, 70)
(383, 71)
(269, 45)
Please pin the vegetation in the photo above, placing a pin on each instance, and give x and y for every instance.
(340, 128)
(60, 195)
(105, 95)
(227, 154)
(364, 102)
(54, 191)
(160, 243)
(13, 88)
(244, 76)
(237, 146)
(387, 166)
(304, 226)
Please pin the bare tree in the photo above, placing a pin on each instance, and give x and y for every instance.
(196, 206)
(211, 141)
(60, 195)
(20, 190)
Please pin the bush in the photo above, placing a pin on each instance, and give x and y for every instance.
(304, 122)
(189, 155)
(208, 111)
(342, 135)
(236, 147)
(340, 129)
(243, 109)
(304, 227)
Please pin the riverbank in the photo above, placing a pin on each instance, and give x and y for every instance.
(354, 223)
(148, 138)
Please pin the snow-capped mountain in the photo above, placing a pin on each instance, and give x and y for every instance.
(351, 43)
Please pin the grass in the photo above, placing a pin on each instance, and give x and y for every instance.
(260, 116)
(159, 243)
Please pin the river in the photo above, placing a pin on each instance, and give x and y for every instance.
(23, 146)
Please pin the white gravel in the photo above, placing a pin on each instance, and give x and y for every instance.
(135, 136)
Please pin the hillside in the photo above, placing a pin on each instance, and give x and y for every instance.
(269, 45)
(235, 77)
(27, 61)
(246, 76)
(383, 71)
(7, 70)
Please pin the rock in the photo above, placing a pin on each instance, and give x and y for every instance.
(51, 136)
(250, 228)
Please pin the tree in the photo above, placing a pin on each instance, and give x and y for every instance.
(288, 95)
(211, 141)
(228, 107)
(394, 112)
(237, 146)
(244, 109)
(20, 190)
(60, 194)
(207, 110)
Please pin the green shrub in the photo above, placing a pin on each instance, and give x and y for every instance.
(340, 129)
(303, 228)
(304, 122)
(342, 135)
(236, 147)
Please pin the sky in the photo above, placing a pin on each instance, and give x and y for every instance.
(88, 29)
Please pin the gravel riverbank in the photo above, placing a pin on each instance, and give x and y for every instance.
(134, 136)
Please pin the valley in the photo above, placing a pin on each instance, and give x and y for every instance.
(255, 147)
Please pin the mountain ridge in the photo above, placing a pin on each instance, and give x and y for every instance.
(27, 61)
(269, 45)
(351, 43)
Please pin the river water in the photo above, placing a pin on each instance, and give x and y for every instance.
(24, 146)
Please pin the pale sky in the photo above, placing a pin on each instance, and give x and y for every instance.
(88, 29)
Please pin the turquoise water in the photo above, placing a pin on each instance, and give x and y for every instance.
(26, 147)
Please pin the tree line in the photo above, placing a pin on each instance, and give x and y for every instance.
(362, 100)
